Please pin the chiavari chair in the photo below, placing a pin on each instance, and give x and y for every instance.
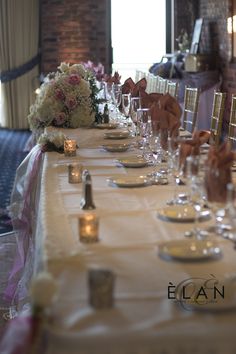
(190, 110)
(232, 121)
(217, 116)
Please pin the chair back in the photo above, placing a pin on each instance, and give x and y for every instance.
(217, 116)
(139, 75)
(162, 85)
(172, 88)
(232, 121)
(191, 100)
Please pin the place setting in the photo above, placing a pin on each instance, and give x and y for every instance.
(116, 147)
(133, 162)
(106, 126)
(189, 250)
(123, 134)
(129, 181)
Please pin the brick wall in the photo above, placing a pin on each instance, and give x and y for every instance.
(74, 31)
(215, 39)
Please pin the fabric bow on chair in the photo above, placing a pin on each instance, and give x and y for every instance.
(218, 172)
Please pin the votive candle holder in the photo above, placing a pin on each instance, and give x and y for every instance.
(75, 173)
(88, 228)
(70, 147)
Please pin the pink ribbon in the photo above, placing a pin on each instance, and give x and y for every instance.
(22, 223)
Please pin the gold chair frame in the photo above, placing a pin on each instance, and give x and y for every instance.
(218, 108)
(191, 101)
(172, 88)
(232, 120)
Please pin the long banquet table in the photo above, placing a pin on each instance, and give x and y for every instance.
(143, 319)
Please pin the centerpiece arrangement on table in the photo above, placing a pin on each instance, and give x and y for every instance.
(68, 98)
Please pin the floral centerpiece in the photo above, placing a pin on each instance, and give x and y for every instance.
(52, 142)
(96, 69)
(67, 98)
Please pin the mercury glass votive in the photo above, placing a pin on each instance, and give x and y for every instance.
(101, 288)
(88, 228)
(70, 147)
(75, 173)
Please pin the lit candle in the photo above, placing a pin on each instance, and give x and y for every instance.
(70, 147)
(75, 173)
(88, 228)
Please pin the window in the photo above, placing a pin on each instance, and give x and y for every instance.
(231, 28)
(138, 34)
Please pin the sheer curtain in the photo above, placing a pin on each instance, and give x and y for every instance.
(19, 33)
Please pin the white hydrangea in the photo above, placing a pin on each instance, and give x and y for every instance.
(43, 290)
(66, 99)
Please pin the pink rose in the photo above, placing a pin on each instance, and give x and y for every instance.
(60, 94)
(60, 119)
(74, 79)
(70, 103)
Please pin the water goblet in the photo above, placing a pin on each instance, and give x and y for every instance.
(156, 153)
(144, 126)
(108, 92)
(197, 200)
(116, 93)
(135, 104)
(231, 213)
(126, 100)
(216, 195)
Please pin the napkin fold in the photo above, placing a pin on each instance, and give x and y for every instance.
(134, 89)
(191, 147)
(115, 79)
(218, 172)
(165, 114)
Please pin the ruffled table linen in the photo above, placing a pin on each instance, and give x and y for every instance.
(143, 319)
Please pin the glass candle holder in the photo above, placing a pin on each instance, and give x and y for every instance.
(101, 288)
(70, 147)
(88, 228)
(75, 173)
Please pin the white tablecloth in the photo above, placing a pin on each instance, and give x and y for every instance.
(143, 319)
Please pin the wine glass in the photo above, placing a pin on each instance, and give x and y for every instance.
(156, 151)
(231, 213)
(126, 100)
(197, 200)
(182, 174)
(116, 94)
(144, 126)
(108, 92)
(216, 194)
(135, 104)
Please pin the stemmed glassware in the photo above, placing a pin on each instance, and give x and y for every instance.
(144, 126)
(197, 199)
(156, 151)
(231, 213)
(182, 174)
(135, 104)
(116, 97)
(216, 194)
(125, 102)
(108, 92)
